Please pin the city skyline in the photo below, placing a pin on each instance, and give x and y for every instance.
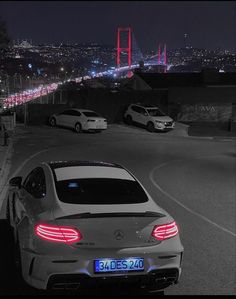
(209, 24)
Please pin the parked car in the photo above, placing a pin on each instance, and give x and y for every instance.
(79, 223)
(149, 116)
(79, 120)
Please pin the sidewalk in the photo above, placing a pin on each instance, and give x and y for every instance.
(6, 156)
(214, 132)
(5, 163)
(4, 151)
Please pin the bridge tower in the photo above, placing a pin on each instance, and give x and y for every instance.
(127, 47)
(162, 58)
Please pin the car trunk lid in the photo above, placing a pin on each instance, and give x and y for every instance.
(114, 229)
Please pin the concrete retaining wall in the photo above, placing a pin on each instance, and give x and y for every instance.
(109, 104)
(209, 105)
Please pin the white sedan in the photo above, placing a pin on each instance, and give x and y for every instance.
(79, 224)
(79, 120)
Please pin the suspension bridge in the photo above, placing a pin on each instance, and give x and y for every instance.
(128, 57)
(127, 47)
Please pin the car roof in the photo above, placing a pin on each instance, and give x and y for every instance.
(67, 170)
(145, 105)
(59, 164)
(77, 109)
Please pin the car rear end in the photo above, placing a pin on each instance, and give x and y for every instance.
(78, 250)
(109, 238)
(94, 122)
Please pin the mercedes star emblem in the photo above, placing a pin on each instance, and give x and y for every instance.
(119, 234)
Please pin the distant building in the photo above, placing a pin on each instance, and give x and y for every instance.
(24, 44)
(153, 81)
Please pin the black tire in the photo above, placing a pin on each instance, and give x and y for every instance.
(19, 282)
(18, 259)
(129, 120)
(153, 292)
(150, 127)
(78, 128)
(8, 212)
(53, 122)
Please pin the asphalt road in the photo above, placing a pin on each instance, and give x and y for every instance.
(194, 179)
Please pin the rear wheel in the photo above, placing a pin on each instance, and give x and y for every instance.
(150, 127)
(53, 122)
(78, 128)
(129, 120)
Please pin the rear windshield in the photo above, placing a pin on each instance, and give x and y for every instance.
(155, 112)
(90, 113)
(100, 191)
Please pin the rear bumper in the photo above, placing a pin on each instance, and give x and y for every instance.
(154, 280)
(45, 271)
(93, 126)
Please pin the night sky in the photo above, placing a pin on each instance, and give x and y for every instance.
(209, 24)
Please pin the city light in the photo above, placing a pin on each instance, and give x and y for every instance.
(176, 58)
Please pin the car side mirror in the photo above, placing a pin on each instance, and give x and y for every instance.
(15, 182)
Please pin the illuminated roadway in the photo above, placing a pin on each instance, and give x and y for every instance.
(42, 90)
(191, 178)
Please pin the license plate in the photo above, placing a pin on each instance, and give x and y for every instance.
(122, 265)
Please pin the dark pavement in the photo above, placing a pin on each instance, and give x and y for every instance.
(192, 178)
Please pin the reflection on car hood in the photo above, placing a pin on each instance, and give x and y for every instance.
(162, 118)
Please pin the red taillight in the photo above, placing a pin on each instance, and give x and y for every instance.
(165, 231)
(62, 234)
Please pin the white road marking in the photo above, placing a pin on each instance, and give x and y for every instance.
(151, 176)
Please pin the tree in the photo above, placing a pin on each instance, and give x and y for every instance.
(4, 39)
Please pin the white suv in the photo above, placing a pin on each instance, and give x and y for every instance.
(149, 116)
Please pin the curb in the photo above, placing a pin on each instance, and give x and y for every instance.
(4, 166)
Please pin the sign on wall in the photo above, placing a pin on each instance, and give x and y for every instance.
(205, 113)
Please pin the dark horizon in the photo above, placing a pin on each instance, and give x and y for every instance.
(209, 24)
